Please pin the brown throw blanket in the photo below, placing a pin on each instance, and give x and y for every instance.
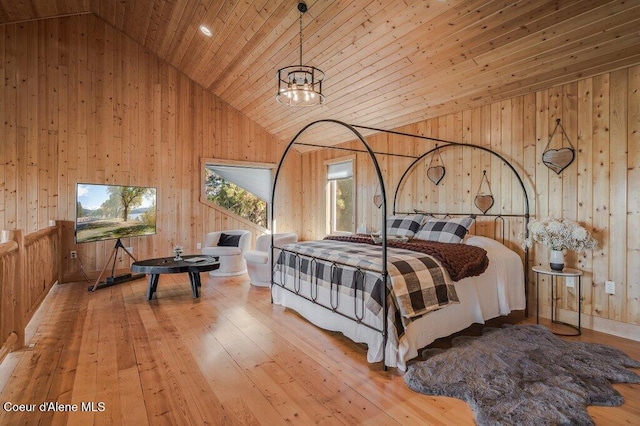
(460, 260)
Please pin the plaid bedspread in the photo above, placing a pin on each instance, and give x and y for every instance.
(417, 282)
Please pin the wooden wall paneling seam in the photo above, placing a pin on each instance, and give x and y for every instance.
(530, 161)
(454, 132)
(61, 181)
(517, 145)
(633, 197)
(4, 196)
(509, 113)
(26, 148)
(112, 143)
(569, 182)
(487, 130)
(601, 181)
(10, 131)
(492, 164)
(540, 252)
(618, 190)
(81, 99)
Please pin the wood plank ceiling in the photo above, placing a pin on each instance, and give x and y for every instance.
(388, 62)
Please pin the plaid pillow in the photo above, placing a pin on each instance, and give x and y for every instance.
(404, 226)
(445, 230)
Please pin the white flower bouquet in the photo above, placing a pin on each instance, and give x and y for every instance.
(559, 234)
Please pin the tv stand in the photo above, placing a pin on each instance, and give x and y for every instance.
(115, 279)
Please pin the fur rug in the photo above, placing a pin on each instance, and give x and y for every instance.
(524, 375)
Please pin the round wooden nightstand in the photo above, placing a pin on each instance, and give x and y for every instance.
(566, 272)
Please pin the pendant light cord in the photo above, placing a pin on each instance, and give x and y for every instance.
(301, 38)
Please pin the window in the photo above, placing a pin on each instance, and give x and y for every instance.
(340, 196)
(242, 188)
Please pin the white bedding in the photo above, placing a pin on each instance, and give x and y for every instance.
(498, 291)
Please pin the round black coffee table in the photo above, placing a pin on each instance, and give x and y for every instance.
(192, 265)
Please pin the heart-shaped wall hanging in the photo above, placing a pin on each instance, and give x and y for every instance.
(377, 198)
(558, 159)
(484, 200)
(435, 173)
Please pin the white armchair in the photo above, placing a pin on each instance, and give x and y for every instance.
(259, 260)
(233, 244)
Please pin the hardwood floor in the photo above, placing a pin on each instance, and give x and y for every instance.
(229, 357)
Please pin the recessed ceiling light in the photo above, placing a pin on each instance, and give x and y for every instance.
(205, 30)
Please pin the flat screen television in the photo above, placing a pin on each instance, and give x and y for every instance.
(109, 212)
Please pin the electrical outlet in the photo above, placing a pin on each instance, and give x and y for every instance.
(570, 282)
(610, 287)
(198, 246)
(74, 254)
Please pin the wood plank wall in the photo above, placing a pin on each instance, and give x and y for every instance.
(601, 116)
(82, 102)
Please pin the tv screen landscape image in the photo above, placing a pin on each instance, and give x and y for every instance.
(109, 212)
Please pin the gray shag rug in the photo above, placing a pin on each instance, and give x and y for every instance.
(524, 375)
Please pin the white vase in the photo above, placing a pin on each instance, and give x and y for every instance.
(556, 260)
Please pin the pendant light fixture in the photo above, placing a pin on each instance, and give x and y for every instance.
(300, 85)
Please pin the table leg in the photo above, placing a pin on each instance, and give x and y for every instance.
(194, 278)
(579, 303)
(553, 299)
(537, 298)
(153, 285)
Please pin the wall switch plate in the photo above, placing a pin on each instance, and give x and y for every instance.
(73, 254)
(198, 246)
(570, 282)
(610, 287)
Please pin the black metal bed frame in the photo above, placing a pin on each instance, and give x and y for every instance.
(383, 229)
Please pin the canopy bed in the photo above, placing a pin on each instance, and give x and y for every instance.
(419, 279)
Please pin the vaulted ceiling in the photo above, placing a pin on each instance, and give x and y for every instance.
(388, 62)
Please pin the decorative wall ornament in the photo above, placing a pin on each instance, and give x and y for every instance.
(558, 159)
(484, 200)
(436, 173)
(377, 198)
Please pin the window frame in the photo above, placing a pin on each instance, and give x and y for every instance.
(234, 163)
(329, 204)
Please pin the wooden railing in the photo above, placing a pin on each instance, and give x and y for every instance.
(29, 266)
(11, 326)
